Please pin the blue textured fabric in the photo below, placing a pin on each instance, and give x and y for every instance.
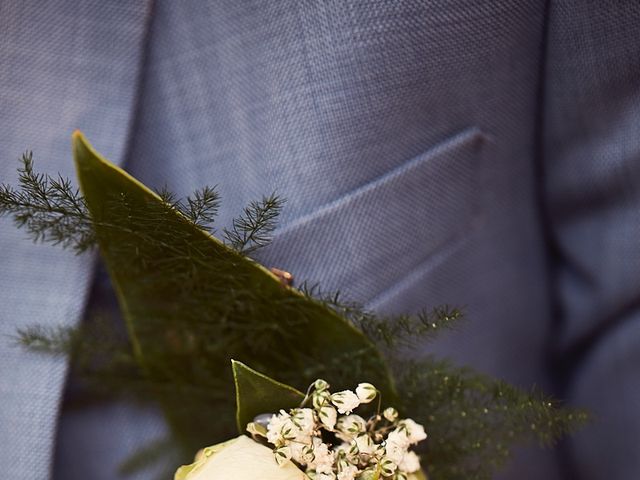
(409, 139)
(592, 184)
(62, 66)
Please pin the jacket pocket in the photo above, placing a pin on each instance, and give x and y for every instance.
(377, 237)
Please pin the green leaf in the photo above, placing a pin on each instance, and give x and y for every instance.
(256, 393)
(191, 304)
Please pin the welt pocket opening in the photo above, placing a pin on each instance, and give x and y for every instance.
(369, 239)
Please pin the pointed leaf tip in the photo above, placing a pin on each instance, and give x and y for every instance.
(257, 393)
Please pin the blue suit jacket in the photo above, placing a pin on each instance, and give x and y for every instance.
(484, 154)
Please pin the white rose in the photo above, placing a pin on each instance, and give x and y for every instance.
(239, 459)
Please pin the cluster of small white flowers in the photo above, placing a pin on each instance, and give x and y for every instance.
(373, 448)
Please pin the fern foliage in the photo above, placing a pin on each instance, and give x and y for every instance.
(192, 302)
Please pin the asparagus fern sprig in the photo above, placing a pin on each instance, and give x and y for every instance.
(191, 303)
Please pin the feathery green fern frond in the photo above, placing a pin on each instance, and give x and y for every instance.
(474, 420)
(253, 229)
(192, 302)
(49, 208)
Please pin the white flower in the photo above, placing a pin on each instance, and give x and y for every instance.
(348, 473)
(346, 401)
(415, 431)
(398, 437)
(390, 414)
(395, 453)
(410, 463)
(365, 444)
(379, 451)
(279, 427)
(284, 428)
(396, 445)
(297, 452)
(323, 461)
(344, 451)
(350, 426)
(366, 392)
(320, 399)
(368, 450)
(305, 420)
(239, 459)
(282, 455)
(328, 416)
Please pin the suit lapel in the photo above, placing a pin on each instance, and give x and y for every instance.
(65, 65)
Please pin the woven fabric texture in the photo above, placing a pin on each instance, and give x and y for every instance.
(592, 165)
(482, 154)
(62, 67)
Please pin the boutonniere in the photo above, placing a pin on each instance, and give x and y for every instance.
(192, 297)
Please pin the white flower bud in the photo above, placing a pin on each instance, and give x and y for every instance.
(320, 385)
(365, 444)
(390, 414)
(346, 401)
(353, 451)
(328, 416)
(366, 392)
(347, 451)
(308, 454)
(320, 399)
(282, 455)
(379, 451)
(387, 467)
